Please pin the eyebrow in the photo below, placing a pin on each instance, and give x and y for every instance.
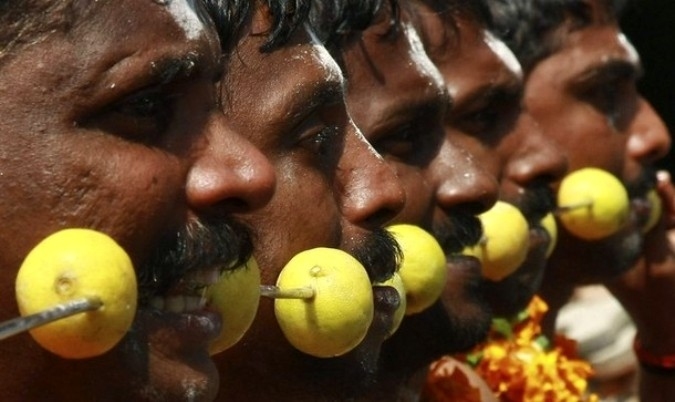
(616, 67)
(485, 94)
(327, 92)
(398, 112)
(174, 68)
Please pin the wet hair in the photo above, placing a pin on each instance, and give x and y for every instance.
(528, 27)
(25, 21)
(231, 15)
(335, 20)
(448, 10)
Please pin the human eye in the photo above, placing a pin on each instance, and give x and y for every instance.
(612, 99)
(413, 138)
(142, 116)
(612, 91)
(398, 143)
(490, 117)
(320, 139)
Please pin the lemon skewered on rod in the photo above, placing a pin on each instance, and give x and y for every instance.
(324, 302)
(423, 267)
(505, 242)
(592, 203)
(548, 223)
(655, 210)
(235, 296)
(78, 267)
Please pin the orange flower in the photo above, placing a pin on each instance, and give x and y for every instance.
(447, 383)
(520, 365)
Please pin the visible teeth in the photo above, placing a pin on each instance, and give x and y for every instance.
(179, 304)
(175, 304)
(206, 277)
(193, 303)
(157, 302)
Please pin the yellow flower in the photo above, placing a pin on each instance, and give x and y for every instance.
(520, 365)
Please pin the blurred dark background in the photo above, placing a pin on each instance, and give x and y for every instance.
(650, 25)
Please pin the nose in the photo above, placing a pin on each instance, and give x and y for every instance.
(649, 139)
(535, 158)
(229, 173)
(461, 183)
(371, 193)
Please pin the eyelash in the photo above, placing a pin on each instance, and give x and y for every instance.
(400, 143)
(487, 121)
(142, 117)
(608, 97)
(323, 145)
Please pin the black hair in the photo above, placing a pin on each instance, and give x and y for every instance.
(528, 27)
(231, 15)
(448, 10)
(336, 20)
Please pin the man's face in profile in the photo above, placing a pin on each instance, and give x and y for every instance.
(107, 122)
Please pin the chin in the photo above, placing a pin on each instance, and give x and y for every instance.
(580, 262)
(171, 380)
(160, 368)
(512, 294)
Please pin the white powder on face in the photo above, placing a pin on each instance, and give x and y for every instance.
(504, 53)
(185, 16)
(632, 54)
(419, 56)
(321, 54)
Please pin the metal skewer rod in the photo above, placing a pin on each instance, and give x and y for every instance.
(20, 324)
(276, 293)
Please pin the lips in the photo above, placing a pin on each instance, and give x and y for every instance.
(386, 300)
(539, 238)
(182, 311)
(641, 209)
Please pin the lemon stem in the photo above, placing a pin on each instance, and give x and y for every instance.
(570, 207)
(63, 310)
(275, 292)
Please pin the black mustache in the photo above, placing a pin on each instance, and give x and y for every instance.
(379, 253)
(198, 245)
(536, 202)
(645, 182)
(458, 231)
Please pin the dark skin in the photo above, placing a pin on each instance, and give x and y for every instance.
(596, 98)
(397, 99)
(486, 84)
(332, 190)
(112, 131)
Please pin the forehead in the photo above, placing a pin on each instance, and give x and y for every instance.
(109, 43)
(588, 50)
(474, 57)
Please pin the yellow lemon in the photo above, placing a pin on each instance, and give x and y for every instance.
(336, 319)
(423, 267)
(235, 296)
(593, 203)
(505, 243)
(655, 212)
(548, 223)
(74, 264)
(397, 283)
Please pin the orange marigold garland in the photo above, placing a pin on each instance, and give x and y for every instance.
(520, 365)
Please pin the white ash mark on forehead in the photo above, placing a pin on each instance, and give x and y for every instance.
(185, 15)
(504, 53)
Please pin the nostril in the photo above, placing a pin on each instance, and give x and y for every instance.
(380, 218)
(234, 205)
(476, 208)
